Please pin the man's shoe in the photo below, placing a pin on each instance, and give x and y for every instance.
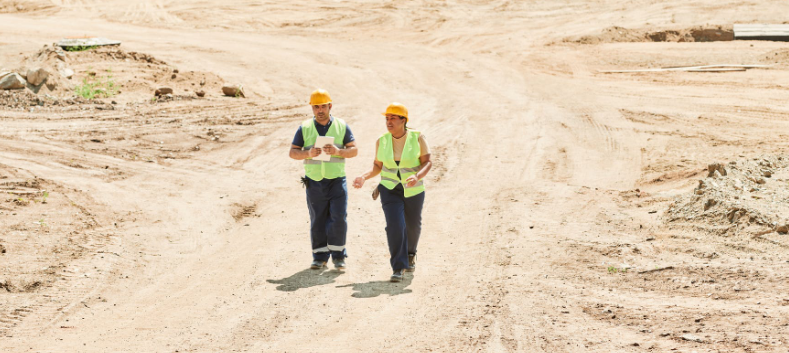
(339, 264)
(317, 265)
(397, 276)
(411, 263)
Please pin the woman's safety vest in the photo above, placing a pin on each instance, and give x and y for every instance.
(333, 168)
(409, 163)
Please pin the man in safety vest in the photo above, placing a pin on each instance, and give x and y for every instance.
(327, 193)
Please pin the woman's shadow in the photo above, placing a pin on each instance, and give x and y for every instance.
(375, 288)
(305, 279)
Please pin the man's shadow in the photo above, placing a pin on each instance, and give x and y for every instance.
(373, 289)
(305, 279)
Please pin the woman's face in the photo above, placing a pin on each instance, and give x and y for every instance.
(395, 123)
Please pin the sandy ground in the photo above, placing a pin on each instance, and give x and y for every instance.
(562, 213)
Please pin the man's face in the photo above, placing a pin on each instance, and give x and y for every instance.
(394, 122)
(321, 112)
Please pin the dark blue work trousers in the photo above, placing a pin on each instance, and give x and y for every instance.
(327, 201)
(403, 223)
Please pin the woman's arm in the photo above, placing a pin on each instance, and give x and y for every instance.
(424, 167)
(372, 173)
(424, 163)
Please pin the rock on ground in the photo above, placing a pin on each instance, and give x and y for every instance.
(163, 91)
(12, 81)
(67, 73)
(233, 90)
(36, 76)
(712, 168)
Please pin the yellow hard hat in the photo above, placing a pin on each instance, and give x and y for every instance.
(320, 97)
(397, 109)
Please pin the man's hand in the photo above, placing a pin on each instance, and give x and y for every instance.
(331, 150)
(411, 181)
(358, 182)
(314, 152)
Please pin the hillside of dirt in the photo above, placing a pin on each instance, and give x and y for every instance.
(568, 209)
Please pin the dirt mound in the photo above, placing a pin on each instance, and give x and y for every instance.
(24, 99)
(112, 73)
(114, 54)
(20, 286)
(620, 34)
(24, 6)
(138, 75)
(742, 197)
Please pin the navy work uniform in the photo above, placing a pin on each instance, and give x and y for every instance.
(327, 193)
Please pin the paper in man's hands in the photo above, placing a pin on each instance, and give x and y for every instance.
(319, 143)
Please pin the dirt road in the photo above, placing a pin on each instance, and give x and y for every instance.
(180, 225)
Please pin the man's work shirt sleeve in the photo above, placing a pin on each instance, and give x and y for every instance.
(348, 136)
(298, 140)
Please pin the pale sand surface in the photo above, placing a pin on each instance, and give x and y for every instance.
(181, 226)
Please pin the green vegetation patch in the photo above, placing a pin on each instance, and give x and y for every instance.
(95, 86)
(80, 47)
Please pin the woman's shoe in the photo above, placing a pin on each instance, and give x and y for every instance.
(411, 263)
(397, 276)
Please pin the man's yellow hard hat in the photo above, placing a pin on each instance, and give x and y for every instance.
(320, 97)
(397, 109)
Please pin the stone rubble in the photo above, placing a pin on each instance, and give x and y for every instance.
(741, 197)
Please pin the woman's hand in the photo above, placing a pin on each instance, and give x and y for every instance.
(358, 182)
(411, 181)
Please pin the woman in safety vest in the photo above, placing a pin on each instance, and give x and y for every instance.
(402, 157)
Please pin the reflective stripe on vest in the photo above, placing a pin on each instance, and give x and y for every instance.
(334, 167)
(409, 163)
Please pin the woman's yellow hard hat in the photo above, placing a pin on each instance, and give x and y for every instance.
(320, 97)
(397, 109)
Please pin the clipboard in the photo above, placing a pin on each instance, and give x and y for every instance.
(319, 143)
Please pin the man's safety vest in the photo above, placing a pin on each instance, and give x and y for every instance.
(409, 163)
(333, 168)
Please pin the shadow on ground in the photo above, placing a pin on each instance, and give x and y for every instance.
(376, 288)
(305, 279)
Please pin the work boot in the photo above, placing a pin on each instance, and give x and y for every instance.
(397, 276)
(339, 264)
(411, 263)
(317, 265)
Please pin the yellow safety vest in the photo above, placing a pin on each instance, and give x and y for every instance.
(333, 168)
(409, 163)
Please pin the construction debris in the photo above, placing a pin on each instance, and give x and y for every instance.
(737, 198)
(702, 68)
(86, 42)
(761, 32)
(656, 269)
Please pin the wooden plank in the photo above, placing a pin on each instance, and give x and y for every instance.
(701, 68)
(719, 70)
(752, 66)
(656, 270)
(774, 32)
